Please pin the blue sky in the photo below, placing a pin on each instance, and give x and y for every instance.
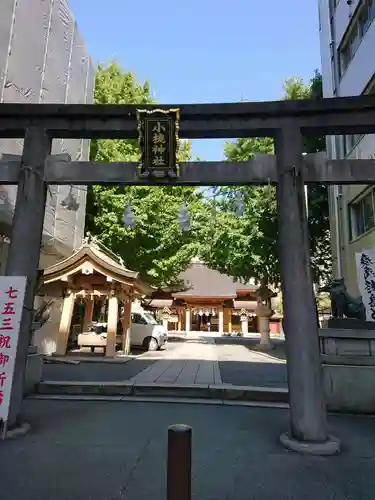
(205, 50)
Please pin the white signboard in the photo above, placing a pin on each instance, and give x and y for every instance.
(365, 263)
(12, 293)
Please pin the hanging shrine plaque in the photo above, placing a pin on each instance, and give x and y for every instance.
(158, 142)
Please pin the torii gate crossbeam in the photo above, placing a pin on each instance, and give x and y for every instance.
(261, 170)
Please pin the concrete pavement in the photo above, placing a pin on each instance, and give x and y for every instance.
(194, 361)
(213, 361)
(241, 364)
(195, 368)
(99, 371)
(116, 450)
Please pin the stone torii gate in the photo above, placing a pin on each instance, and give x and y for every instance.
(286, 121)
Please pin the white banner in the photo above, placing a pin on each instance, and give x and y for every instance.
(12, 293)
(365, 263)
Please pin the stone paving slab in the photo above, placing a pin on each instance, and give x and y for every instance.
(163, 400)
(194, 390)
(153, 372)
(96, 371)
(241, 364)
(171, 374)
(248, 373)
(116, 450)
(205, 373)
(217, 374)
(192, 362)
(189, 372)
(123, 388)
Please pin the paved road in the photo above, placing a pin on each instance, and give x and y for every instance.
(278, 352)
(190, 362)
(239, 364)
(255, 374)
(96, 372)
(114, 451)
(100, 371)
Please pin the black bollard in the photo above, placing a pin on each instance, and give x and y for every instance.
(179, 462)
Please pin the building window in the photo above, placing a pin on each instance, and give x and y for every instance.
(364, 21)
(345, 57)
(365, 13)
(355, 39)
(362, 215)
(351, 141)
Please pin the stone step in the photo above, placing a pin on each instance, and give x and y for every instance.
(224, 392)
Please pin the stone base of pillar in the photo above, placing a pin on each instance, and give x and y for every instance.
(329, 447)
(17, 431)
(127, 343)
(264, 327)
(265, 347)
(265, 341)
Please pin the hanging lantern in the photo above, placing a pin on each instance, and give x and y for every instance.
(70, 202)
(128, 218)
(183, 218)
(239, 205)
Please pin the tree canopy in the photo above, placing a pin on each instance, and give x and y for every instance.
(155, 247)
(247, 247)
(244, 247)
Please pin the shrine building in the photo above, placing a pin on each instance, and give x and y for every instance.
(89, 285)
(209, 301)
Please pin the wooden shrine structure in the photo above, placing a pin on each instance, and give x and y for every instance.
(91, 274)
(286, 121)
(209, 301)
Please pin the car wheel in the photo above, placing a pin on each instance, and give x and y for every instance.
(153, 344)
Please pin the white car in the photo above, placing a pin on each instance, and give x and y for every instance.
(145, 333)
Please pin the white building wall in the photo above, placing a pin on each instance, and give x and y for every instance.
(43, 59)
(362, 66)
(328, 56)
(342, 16)
(335, 25)
(325, 38)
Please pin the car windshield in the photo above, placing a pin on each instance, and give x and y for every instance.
(150, 319)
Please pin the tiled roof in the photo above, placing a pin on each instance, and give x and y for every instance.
(201, 281)
(107, 265)
(91, 251)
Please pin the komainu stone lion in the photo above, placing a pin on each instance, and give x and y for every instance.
(343, 305)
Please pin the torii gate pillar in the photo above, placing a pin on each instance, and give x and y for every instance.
(23, 257)
(308, 429)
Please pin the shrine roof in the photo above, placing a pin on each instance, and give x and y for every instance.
(249, 305)
(201, 281)
(103, 261)
(160, 303)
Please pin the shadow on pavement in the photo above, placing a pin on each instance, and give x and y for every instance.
(113, 450)
(177, 371)
(278, 351)
(96, 372)
(255, 374)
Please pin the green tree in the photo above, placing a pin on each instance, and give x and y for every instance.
(155, 247)
(247, 247)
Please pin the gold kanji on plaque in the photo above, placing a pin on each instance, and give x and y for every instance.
(158, 142)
